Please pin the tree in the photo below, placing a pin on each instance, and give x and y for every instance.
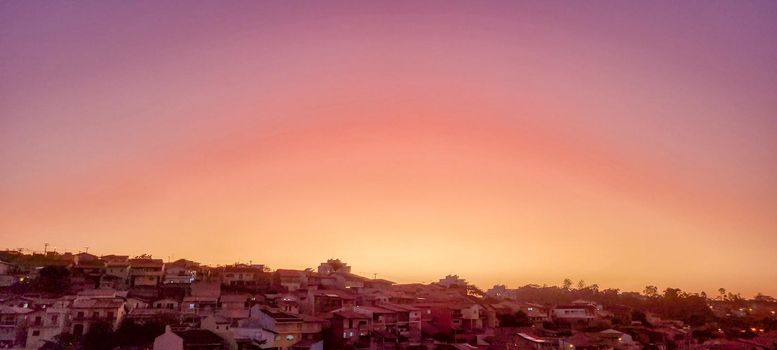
(53, 279)
(99, 337)
(518, 319)
(581, 284)
(65, 341)
(764, 298)
(672, 293)
(474, 290)
(131, 333)
(722, 292)
(651, 291)
(640, 316)
(567, 284)
(594, 288)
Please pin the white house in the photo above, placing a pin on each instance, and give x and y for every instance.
(44, 325)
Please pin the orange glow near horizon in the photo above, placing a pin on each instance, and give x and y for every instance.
(512, 145)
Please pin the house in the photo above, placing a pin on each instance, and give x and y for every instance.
(167, 303)
(378, 284)
(347, 280)
(525, 341)
(584, 341)
(7, 274)
(112, 282)
(619, 340)
(318, 280)
(242, 275)
(308, 344)
(217, 324)
(231, 332)
(136, 303)
(206, 289)
(181, 271)
(86, 272)
(574, 313)
(234, 307)
(288, 303)
(101, 293)
(13, 320)
(286, 328)
(536, 313)
(323, 301)
(291, 280)
(372, 298)
(18, 301)
(6, 268)
(500, 291)
(382, 319)
(456, 316)
(192, 339)
(311, 327)
(452, 281)
(45, 324)
(333, 265)
(87, 311)
(117, 272)
(355, 327)
(145, 272)
(408, 320)
(199, 305)
(234, 301)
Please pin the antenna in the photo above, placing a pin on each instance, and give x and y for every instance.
(45, 248)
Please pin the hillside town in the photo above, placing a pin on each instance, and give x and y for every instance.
(83, 301)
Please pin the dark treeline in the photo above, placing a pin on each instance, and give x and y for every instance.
(672, 303)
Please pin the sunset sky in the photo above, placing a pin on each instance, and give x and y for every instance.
(621, 143)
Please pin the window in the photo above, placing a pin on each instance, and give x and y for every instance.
(54, 318)
(35, 333)
(110, 314)
(96, 314)
(290, 337)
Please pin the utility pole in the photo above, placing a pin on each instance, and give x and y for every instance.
(45, 248)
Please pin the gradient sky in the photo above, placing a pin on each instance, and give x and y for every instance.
(621, 143)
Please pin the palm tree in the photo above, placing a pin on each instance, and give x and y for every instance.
(722, 292)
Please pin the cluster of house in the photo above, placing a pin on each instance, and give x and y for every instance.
(247, 306)
(241, 306)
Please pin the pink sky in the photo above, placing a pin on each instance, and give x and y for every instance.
(620, 143)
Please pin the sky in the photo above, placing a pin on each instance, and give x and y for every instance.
(621, 143)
